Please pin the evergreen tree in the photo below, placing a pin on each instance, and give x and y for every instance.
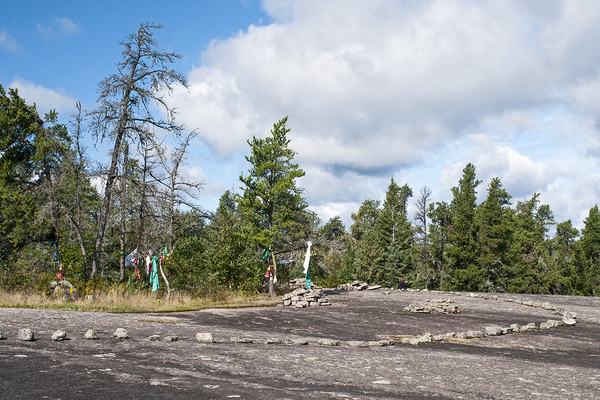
(590, 243)
(566, 250)
(271, 202)
(439, 231)
(494, 222)
(463, 252)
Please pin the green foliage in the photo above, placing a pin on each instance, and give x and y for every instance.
(271, 202)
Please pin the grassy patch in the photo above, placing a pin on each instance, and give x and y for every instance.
(136, 302)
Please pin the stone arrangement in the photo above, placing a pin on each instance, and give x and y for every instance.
(299, 283)
(302, 298)
(356, 285)
(435, 306)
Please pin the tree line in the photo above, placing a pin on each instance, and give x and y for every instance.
(52, 213)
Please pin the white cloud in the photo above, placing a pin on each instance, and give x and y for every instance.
(44, 98)
(7, 42)
(380, 87)
(59, 27)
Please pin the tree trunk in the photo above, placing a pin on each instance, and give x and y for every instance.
(123, 211)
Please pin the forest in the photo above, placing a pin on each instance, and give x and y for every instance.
(51, 213)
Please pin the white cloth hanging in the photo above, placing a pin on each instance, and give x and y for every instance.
(307, 258)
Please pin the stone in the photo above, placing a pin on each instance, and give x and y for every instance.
(515, 328)
(507, 330)
(568, 321)
(287, 302)
(120, 333)
(89, 298)
(374, 287)
(64, 289)
(301, 304)
(298, 342)
(375, 343)
(154, 337)
(425, 338)
(411, 341)
(530, 327)
(329, 342)
(90, 334)
(205, 337)
(493, 331)
(356, 343)
(450, 335)
(274, 341)
(59, 336)
(438, 338)
(545, 326)
(570, 314)
(26, 335)
(241, 340)
(170, 339)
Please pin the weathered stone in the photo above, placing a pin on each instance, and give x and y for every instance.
(570, 314)
(326, 303)
(373, 287)
(90, 334)
(274, 341)
(411, 341)
(515, 328)
(204, 337)
(568, 321)
(375, 343)
(170, 339)
(154, 337)
(120, 333)
(301, 304)
(89, 298)
(546, 325)
(59, 336)
(438, 338)
(25, 334)
(450, 335)
(329, 342)
(295, 298)
(298, 342)
(507, 330)
(241, 340)
(530, 327)
(425, 338)
(493, 331)
(64, 289)
(287, 302)
(355, 343)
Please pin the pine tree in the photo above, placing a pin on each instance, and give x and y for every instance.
(270, 200)
(466, 274)
(590, 243)
(494, 222)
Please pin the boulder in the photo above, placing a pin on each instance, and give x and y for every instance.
(205, 338)
(59, 336)
(25, 334)
(64, 289)
(493, 331)
(411, 341)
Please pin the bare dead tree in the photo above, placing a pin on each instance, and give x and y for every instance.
(126, 100)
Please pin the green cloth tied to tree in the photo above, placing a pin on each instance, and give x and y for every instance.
(154, 274)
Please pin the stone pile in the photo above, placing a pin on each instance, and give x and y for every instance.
(435, 306)
(302, 298)
(356, 285)
(299, 283)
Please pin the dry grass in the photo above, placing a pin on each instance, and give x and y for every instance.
(136, 302)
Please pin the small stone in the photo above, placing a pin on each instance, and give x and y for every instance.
(530, 327)
(298, 342)
(373, 287)
(154, 337)
(89, 298)
(493, 331)
(329, 342)
(240, 340)
(170, 339)
(287, 302)
(25, 335)
(355, 343)
(515, 328)
(411, 341)
(120, 333)
(90, 334)
(205, 338)
(438, 338)
(373, 343)
(59, 336)
(568, 321)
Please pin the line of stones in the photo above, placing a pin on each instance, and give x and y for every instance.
(568, 319)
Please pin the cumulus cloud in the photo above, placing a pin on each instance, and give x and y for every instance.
(44, 98)
(373, 88)
(59, 27)
(7, 42)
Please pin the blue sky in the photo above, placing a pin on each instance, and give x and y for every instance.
(413, 89)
